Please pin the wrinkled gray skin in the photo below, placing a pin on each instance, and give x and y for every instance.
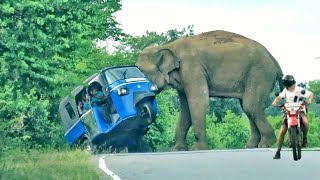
(214, 64)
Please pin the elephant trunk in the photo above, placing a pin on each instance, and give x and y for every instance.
(158, 79)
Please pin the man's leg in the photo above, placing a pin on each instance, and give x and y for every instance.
(306, 128)
(283, 131)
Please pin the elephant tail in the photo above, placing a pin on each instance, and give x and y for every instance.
(279, 78)
(279, 74)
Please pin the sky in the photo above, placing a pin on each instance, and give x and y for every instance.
(289, 29)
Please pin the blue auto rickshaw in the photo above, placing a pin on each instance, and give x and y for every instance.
(120, 120)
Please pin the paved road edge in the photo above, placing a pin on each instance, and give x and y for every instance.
(103, 167)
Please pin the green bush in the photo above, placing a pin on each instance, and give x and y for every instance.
(233, 132)
(314, 130)
(24, 120)
(161, 135)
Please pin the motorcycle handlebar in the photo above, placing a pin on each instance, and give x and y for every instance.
(282, 105)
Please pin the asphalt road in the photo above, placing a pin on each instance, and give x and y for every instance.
(244, 164)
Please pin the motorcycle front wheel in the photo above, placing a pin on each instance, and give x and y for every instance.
(300, 141)
(296, 149)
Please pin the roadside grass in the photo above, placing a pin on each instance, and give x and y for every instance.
(59, 165)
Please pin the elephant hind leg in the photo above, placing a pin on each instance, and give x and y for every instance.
(254, 101)
(262, 133)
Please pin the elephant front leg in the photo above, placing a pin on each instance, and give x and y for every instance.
(198, 98)
(183, 125)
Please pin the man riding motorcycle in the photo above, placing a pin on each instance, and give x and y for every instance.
(290, 91)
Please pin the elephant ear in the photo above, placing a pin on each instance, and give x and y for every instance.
(168, 62)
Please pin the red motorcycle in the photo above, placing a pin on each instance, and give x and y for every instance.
(294, 124)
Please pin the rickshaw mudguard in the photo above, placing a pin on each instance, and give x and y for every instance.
(75, 132)
(139, 96)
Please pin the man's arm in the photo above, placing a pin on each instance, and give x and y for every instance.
(310, 98)
(276, 100)
(101, 97)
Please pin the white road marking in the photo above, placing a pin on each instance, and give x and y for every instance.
(103, 167)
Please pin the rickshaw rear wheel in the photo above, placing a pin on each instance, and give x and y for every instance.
(86, 145)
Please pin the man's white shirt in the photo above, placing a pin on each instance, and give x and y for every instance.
(289, 96)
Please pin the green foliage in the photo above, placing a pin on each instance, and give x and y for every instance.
(161, 135)
(26, 116)
(131, 46)
(46, 48)
(314, 130)
(45, 34)
(233, 132)
(314, 86)
(219, 106)
(230, 133)
(47, 165)
(314, 108)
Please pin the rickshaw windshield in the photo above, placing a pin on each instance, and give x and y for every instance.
(115, 74)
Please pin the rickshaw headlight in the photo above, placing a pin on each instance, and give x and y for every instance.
(123, 91)
(153, 87)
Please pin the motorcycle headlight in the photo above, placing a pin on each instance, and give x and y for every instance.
(123, 91)
(153, 87)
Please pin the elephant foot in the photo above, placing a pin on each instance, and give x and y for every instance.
(253, 143)
(200, 146)
(267, 141)
(180, 147)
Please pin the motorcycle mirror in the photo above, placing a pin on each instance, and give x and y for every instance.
(303, 92)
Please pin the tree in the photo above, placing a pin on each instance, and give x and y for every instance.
(219, 107)
(41, 42)
(314, 86)
(131, 46)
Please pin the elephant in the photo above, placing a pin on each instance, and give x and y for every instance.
(214, 64)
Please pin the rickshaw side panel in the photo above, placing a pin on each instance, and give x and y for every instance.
(68, 113)
(75, 132)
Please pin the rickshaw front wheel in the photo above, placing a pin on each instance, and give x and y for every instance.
(146, 110)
